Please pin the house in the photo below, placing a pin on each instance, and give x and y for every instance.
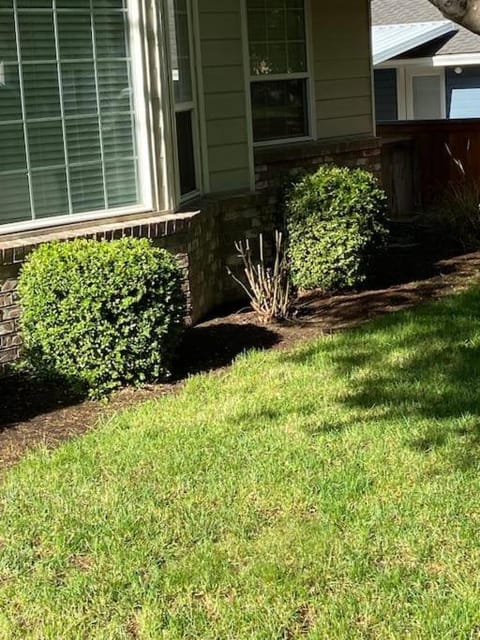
(426, 68)
(171, 119)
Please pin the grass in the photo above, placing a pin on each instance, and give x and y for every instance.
(328, 492)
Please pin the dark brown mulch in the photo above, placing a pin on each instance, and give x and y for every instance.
(31, 415)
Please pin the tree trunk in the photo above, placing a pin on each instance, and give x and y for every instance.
(464, 12)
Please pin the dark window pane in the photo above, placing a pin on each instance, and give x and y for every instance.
(279, 109)
(386, 103)
(186, 153)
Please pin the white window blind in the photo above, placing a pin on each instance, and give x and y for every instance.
(67, 118)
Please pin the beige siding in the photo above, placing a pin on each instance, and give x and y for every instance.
(341, 68)
(224, 94)
(340, 71)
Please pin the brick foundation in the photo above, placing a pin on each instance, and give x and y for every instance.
(201, 238)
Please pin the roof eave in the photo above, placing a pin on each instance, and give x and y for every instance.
(412, 41)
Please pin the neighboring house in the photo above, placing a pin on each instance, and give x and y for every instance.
(174, 120)
(425, 66)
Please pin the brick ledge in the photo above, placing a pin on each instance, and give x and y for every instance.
(14, 250)
(313, 148)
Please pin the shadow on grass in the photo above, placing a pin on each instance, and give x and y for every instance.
(22, 398)
(422, 364)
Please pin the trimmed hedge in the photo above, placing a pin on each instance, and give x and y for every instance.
(336, 223)
(101, 314)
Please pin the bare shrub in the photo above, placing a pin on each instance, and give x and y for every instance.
(267, 287)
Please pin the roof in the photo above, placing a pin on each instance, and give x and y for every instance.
(396, 12)
(391, 40)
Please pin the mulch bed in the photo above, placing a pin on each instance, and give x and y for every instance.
(33, 415)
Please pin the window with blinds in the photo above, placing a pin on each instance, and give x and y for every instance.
(67, 121)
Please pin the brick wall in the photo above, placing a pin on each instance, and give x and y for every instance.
(202, 239)
(9, 311)
(274, 166)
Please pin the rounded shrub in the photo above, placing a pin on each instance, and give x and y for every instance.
(101, 314)
(336, 222)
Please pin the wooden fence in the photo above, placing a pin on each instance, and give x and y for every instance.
(421, 158)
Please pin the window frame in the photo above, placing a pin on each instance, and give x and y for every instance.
(307, 76)
(192, 106)
(418, 71)
(136, 43)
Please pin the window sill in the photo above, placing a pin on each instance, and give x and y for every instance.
(15, 247)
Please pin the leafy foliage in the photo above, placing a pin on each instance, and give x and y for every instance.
(336, 225)
(101, 314)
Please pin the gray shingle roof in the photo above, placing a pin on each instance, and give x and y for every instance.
(409, 11)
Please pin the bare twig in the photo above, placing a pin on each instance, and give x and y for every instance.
(268, 288)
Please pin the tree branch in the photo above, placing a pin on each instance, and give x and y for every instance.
(463, 12)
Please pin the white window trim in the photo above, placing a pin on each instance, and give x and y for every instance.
(401, 93)
(75, 218)
(248, 95)
(137, 44)
(191, 106)
(307, 76)
(202, 118)
(140, 103)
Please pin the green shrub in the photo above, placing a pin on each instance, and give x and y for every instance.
(101, 314)
(336, 225)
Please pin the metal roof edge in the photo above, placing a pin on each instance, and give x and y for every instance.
(413, 38)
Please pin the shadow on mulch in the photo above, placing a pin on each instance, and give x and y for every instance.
(204, 348)
(214, 346)
(22, 398)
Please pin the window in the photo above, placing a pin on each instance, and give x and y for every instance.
(278, 69)
(67, 114)
(386, 99)
(184, 96)
(463, 92)
(425, 93)
(426, 97)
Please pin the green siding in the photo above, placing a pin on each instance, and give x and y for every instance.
(342, 68)
(224, 94)
(340, 75)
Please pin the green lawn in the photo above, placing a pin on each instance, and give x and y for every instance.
(328, 492)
